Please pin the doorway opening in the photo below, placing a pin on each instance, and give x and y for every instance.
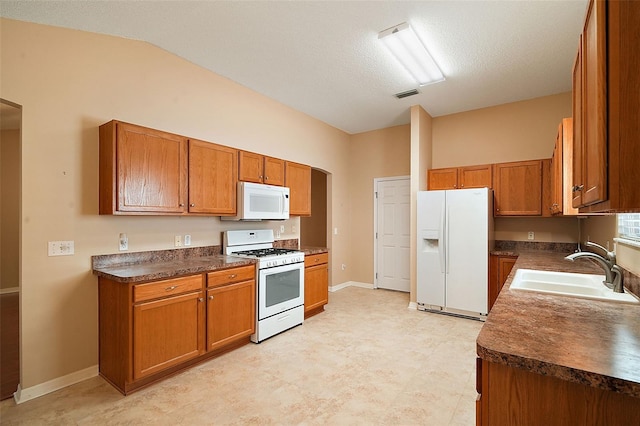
(10, 172)
(313, 229)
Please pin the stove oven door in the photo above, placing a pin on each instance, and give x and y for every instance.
(279, 289)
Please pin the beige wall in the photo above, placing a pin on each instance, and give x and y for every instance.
(10, 207)
(375, 154)
(516, 131)
(69, 82)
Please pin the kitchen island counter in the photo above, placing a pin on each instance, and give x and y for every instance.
(590, 342)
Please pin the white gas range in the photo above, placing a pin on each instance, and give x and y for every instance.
(279, 279)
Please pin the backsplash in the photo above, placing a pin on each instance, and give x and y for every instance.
(290, 244)
(133, 258)
(505, 245)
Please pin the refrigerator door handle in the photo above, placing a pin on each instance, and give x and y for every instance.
(446, 236)
(441, 239)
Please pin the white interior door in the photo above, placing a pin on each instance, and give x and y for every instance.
(393, 230)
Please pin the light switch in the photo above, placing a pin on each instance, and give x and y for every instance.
(61, 248)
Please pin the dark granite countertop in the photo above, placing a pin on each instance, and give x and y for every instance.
(163, 264)
(313, 250)
(591, 342)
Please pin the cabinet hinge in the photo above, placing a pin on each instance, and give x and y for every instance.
(376, 192)
(376, 275)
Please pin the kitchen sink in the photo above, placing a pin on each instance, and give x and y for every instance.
(585, 286)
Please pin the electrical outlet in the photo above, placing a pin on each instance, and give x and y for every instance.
(278, 232)
(178, 241)
(531, 235)
(61, 248)
(282, 229)
(187, 240)
(344, 266)
(335, 231)
(123, 243)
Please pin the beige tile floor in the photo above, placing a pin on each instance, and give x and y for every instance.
(367, 360)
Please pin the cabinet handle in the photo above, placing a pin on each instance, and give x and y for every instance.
(210, 297)
(173, 287)
(260, 176)
(462, 186)
(200, 299)
(192, 205)
(232, 276)
(181, 205)
(317, 260)
(266, 178)
(577, 188)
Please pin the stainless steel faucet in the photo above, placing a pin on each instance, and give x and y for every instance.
(612, 272)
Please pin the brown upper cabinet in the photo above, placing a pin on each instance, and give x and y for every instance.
(147, 171)
(212, 178)
(518, 188)
(298, 179)
(460, 177)
(562, 170)
(142, 171)
(592, 143)
(260, 169)
(606, 105)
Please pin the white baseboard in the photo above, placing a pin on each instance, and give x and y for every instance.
(350, 284)
(9, 290)
(24, 395)
(413, 306)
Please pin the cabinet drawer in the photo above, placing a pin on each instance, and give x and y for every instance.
(316, 259)
(165, 288)
(232, 275)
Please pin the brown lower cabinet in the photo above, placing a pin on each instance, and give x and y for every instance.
(316, 283)
(151, 330)
(500, 267)
(514, 396)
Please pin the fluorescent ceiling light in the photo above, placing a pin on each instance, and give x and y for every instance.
(405, 45)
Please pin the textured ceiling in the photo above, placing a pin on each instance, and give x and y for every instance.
(323, 57)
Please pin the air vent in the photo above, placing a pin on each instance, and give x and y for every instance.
(406, 94)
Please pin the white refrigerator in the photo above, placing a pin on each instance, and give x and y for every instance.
(455, 236)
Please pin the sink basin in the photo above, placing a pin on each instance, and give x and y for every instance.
(585, 286)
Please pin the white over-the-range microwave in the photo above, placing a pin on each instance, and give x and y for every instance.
(257, 201)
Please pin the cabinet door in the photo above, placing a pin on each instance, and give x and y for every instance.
(505, 265)
(152, 170)
(167, 332)
(499, 269)
(298, 179)
(438, 179)
(576, 181)
(212, 178)
(316, 287)
(250, 167)
(273, 171)
(556, 175)
(547, 207)
(594, 112)
(231, 313)
(475, 176)
(518, 188)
